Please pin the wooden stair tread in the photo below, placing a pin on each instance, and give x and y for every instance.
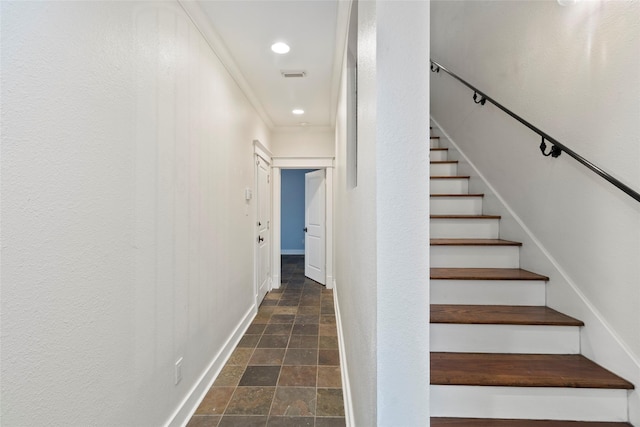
(522, 370)
(443, 162)
(484, 274)
(434, 137)
(450, 177)
(465, 217)
(473, 242)
(487, 422)
(500, 315)
(457, 195)
(438, 149)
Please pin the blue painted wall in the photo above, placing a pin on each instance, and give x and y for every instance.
(292, 210)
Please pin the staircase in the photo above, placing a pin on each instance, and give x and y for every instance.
(500, 357)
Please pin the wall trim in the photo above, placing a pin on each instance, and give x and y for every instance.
(617, 358)
(344, 371)
(302, 162)
(261, 150)
(291, 251)
(213, 39)
(190, 403)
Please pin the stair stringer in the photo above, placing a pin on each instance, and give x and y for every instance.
(598, 341)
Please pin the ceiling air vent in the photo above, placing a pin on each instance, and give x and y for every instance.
(292, 74)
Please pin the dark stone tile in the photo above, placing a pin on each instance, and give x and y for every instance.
(329, 357)
(310, 300)
(328, 330)
(215, 401)
(298, 376)
(329, 376)
(204, 421)
(301, 356)
(267, 309)
(273, 341)
(330, 402)
(267, 356)
(260, 376)
(256, 328)
(278, 329)
(250, 401)
(308, 310)
(328, 342)
(285, 310)
(289, 302)
(303, 341)
(229, 376)
(249, 341)
(240, 356)
(327, 309)
(307, 319)
(243, 421)
(310, 329)
(268, 302)
(290, 421)
(331, 422)
(272, 295)
(282, 318)
(328, 319)
(294, 401)
(262, 317)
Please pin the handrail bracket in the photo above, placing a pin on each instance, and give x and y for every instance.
(554, 152)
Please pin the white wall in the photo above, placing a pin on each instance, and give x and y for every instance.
(573, 72)
(303, 142)
(382, 231)
(126, 240)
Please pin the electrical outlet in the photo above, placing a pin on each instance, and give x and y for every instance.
(178, 371)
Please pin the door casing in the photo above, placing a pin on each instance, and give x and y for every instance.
(279, 163)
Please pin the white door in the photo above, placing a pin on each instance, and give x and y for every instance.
(314, 221)
(263, 255)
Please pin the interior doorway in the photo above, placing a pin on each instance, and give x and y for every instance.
(303, 219)
(280, 247)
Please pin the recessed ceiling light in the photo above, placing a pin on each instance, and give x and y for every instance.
(280, 48)
(298, 111)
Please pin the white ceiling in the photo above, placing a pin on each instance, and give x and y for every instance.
(312, 28)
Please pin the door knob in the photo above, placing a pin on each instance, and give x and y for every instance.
(305, 229)
(260, 239)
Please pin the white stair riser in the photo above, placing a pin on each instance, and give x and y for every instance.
(487, 292)
(434, 143)
(529, 403)
(529, 339)
(475, 256)
(438, 156)
(449, 186)
(443, 169)
(454, 228)
(456, 205)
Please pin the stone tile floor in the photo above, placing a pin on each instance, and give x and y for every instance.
(286, 368)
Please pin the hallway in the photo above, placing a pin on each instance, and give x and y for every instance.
(286, 368)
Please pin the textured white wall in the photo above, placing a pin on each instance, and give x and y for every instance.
(382, 231)
(573, 72)
(355, 230)
(303, 142)
(126, 240)
(402, 192)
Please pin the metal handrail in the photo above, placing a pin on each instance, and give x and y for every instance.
(481, 98)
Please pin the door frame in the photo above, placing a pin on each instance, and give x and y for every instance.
(277, 165)
(259, 150)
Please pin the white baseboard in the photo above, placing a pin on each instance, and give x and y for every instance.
(346, 387)
(190, 403)
(291, 251)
